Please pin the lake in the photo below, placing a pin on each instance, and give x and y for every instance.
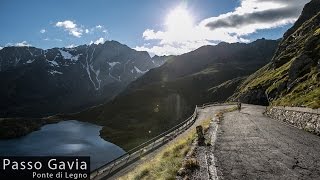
(62, 139)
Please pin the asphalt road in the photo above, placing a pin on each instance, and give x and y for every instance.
(250, 145)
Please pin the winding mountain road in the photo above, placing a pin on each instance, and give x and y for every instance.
(250, 145)
(203, 114)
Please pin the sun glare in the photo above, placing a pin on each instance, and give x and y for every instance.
(179, 19)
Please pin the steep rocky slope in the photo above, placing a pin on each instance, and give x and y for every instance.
(165, 96)
(292, 78)
(36, 82)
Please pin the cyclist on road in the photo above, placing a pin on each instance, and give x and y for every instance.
(239, 105)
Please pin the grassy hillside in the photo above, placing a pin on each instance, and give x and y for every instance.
(292, 78)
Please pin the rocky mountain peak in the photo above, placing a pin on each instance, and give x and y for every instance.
(310, 9)
(304, 27)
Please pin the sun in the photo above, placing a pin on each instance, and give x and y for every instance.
(179, 19)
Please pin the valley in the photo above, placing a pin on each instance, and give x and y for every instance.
(169, 93)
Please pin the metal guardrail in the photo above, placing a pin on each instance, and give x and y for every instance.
(135, 153)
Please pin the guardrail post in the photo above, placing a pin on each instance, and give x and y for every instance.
(153, 144)
(141, 151)
(128, 158)
(111, 168)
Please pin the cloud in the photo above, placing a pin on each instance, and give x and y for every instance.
(66, 24)
(71, 46)
(173, 49)
(22, 44)
(253, 15)
(100, 28)
(1, 47)
(55, 39)
(181, 35)
(8, 44)
(96, 29)
(268, 16)
(42, 31)
(71, 27)
(98, 41)
(19, 44)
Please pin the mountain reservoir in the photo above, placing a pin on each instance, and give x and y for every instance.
(70, 138)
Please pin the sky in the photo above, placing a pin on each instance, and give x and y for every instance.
(161, 27)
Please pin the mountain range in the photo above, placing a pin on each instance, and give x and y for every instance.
(36, 82)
